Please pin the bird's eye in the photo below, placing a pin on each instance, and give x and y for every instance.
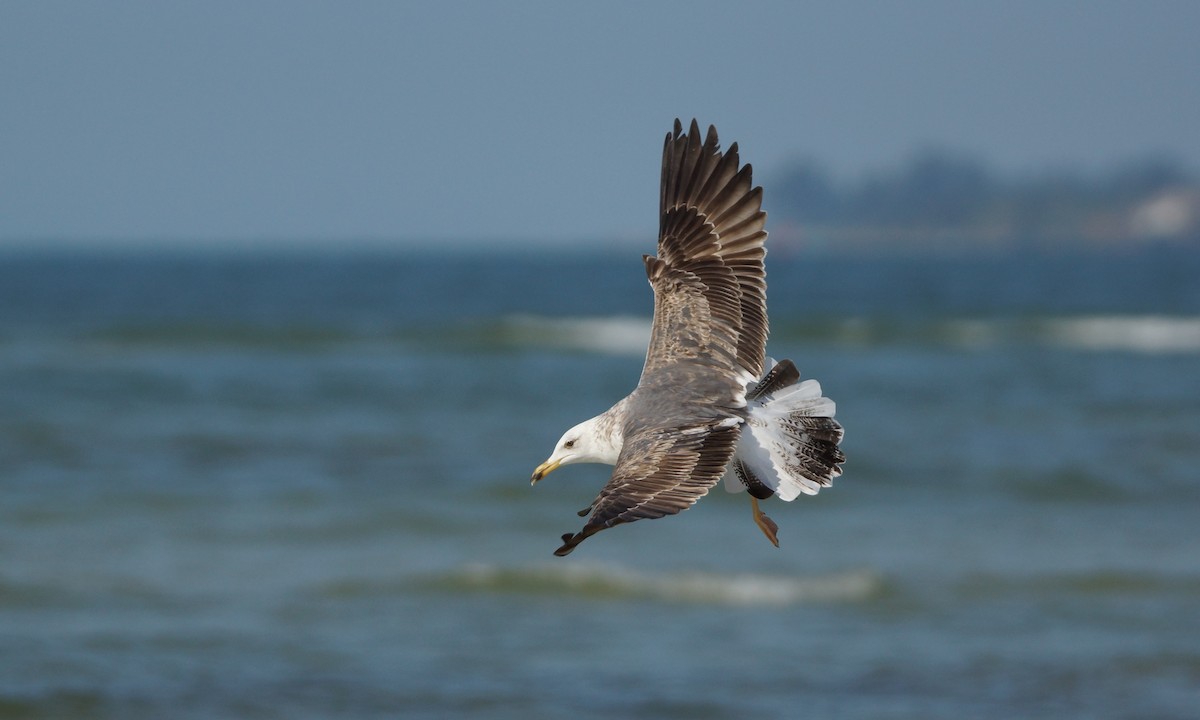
(569, 444)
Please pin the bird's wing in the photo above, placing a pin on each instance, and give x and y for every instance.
(710, 291)
(661, 471)
(709, 334)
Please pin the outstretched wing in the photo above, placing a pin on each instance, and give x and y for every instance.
(709, 335)
(710, 290)
(661, 471)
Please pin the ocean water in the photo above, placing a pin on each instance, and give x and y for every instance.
(295, 485)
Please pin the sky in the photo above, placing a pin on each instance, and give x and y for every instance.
(540, 122)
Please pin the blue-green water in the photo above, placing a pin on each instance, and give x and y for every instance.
(296, 486)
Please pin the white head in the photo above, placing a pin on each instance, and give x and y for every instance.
(587, 442)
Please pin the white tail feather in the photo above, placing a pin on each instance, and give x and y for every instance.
(789, 441)
(803, 398)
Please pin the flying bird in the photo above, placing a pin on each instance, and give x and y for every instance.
(710, 404)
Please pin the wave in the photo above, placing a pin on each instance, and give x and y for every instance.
(629, 335)
(617, 335)
(1144, 334)
(617, 583)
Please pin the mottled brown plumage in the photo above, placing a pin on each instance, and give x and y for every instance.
(681, 424)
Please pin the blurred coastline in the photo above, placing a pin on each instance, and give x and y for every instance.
(942, 200)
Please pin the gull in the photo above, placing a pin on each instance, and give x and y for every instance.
(710, 404)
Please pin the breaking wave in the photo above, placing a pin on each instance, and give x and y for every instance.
(1145, 334)
(616, 583)
(629, 335)
(617, 335)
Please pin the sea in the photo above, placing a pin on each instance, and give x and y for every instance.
(294, 483)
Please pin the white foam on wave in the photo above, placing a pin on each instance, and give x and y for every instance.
(1150, 334)
(601, 581)
(1137, 333)
(616, 335)
(629, 335)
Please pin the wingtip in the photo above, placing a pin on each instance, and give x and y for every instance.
(570, 541)
(710, 137)
(711, 140)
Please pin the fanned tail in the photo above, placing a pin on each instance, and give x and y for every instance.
(789, 444)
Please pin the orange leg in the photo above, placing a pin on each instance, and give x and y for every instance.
(764, 523)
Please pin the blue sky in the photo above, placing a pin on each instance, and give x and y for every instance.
(289, 122)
